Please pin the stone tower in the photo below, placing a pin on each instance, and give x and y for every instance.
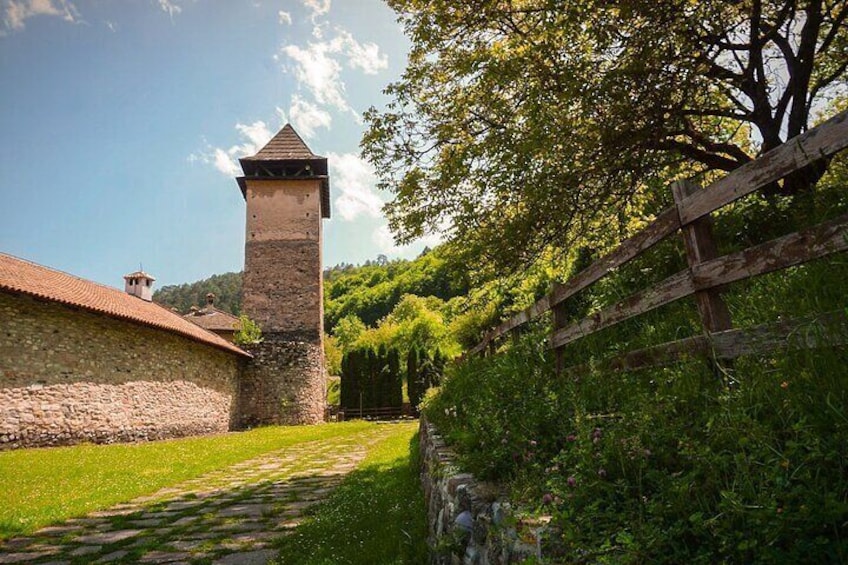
(287, 192)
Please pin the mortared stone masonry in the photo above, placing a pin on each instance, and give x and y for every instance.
(286, 190)
(81, 361)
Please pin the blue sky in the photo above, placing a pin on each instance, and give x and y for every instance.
(121, 122)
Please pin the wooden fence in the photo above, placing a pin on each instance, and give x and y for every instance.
(336, 413)
(706, 271)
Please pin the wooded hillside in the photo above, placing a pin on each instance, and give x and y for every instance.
(225, 287)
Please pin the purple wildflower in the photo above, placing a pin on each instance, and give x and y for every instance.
(571, 481)
(547, 498)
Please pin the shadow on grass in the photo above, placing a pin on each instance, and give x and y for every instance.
(194, 527)
(376, 516)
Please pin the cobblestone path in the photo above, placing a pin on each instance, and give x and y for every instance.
(226, 517)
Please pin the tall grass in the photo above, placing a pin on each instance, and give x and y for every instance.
(375, 517)
(744, 462)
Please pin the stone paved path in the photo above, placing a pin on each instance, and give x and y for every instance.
(227, 517)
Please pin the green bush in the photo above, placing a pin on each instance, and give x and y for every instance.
(665, 466)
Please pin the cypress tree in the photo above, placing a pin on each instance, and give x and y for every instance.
(395, 393)
(412, 378)
(371, 380)
(344, 392)
(438, 368)
(382, 385)
(425, 370)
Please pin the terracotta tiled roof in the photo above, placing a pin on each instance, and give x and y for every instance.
(212, 319)
(139, 275)
(287, 145)
(18, 275)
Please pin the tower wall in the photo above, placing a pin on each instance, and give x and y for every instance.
(283, 293)
(282, 278)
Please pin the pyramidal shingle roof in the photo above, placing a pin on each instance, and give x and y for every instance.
(18, 275)
(287, 145)
(287, 156)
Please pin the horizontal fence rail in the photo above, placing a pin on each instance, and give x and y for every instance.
(706, 272)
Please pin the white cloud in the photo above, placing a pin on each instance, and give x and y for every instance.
(365, 56)
(319, 72)
(170, 8)
(16, 12)
(225, 163)
(317, 7)
(284, 17)
(384, 240)
(257, 135)
(253, 137)
(307, 117)
(355, 180)
(317, 66)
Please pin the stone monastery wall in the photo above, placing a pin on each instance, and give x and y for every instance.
(67, 375)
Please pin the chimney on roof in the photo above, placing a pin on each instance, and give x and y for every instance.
(210, 299)
(139, 284)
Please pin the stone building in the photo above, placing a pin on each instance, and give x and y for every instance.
(286, 189)
(80, 361)
(213, 320)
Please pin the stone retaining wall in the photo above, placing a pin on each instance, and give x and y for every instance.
(68, 376)
(468, 521)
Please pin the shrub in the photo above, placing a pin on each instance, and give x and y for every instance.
(667, 465)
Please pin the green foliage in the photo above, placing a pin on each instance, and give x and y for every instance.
(376, 516)
(423, 373)
(332, 355)
(226, 288)
(735, 463)
(412, 387)
(665, 466)
(527, 125)
(348, 330)
(334, 391)
(248, 333)
(39, 487)
(371, 291)
(371, 379)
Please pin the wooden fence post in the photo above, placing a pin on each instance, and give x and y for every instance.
(559, 321)
(700, 247)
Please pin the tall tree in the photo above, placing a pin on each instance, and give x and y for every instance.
(412, 386)
(395, 396)
(520, 123)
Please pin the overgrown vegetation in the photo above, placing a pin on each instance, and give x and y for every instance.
(376, 516)
(249, 332)
(740, 462)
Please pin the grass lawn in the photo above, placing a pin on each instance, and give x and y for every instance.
(39, 487)
(376, 516)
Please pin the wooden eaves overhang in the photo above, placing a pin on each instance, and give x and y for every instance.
(286, 156)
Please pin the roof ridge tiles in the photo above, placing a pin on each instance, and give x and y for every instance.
(285, 145)
(27, 277)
